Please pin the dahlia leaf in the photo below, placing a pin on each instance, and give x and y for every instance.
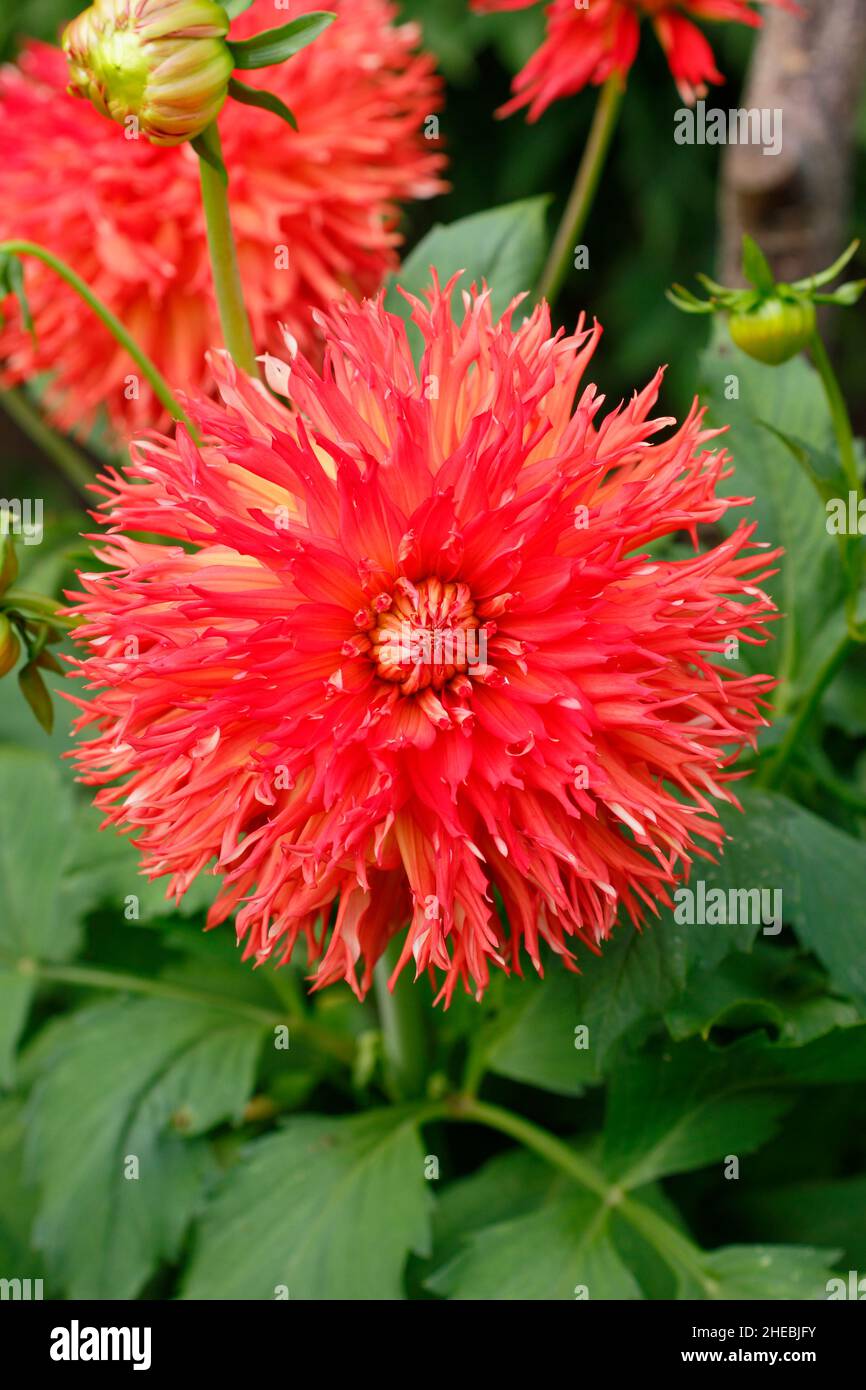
(252, 96)
(35, 855)
(680, 1111)
(823, 469)
(562, 1033)
(560, 1252)
(235, 8)
(772, 989)
(504, 247)
(763, 1271)
(747, 397)
(328, 1208)
(824, 1213)
(276, 45)
(818, 865)
(19, 1199)
(123, 1093)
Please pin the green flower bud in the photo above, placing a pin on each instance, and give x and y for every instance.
(772, 321)
(10, 647)
(775, 330)
(165, 63)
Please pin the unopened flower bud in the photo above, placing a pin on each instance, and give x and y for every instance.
(164, 63)
(775, 329)
(10, 647)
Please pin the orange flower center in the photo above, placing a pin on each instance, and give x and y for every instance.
(425, 634)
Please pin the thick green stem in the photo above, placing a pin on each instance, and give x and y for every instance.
(237, 333)
(150, 372)
(92, 977)
(582, 194)
(404, 1028)
(64, 455)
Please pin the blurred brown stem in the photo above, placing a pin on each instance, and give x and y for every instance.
(812, 67)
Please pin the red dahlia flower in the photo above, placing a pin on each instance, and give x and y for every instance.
(589, 43)
(408, 647)
(314, 211)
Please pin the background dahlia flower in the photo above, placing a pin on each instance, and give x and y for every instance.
(314, 211)
(407, 649)
(589, 44)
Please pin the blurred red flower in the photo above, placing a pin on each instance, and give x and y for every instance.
(314, 211)
(407, 646)
(588, 42)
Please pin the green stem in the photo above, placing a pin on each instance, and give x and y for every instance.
(677, 1250)
(582, 194)
(532, 1137)
(67, 459)
(223, 254)
(148, 370)
(404, 1028)
(773, 769)
(88, 977)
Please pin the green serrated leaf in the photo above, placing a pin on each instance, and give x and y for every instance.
(266, 101)
(561, 1252)
(276, 45)
(123, 1091)
(329, 1208)
(767, 1271)
(765, 990)
(682, 1110)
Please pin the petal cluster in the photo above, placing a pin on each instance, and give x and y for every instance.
(315, 211)
(588, 41)
(408, 658)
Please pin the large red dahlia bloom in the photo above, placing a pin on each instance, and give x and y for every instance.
(409, 650)
(589, 42)
(314, 211)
